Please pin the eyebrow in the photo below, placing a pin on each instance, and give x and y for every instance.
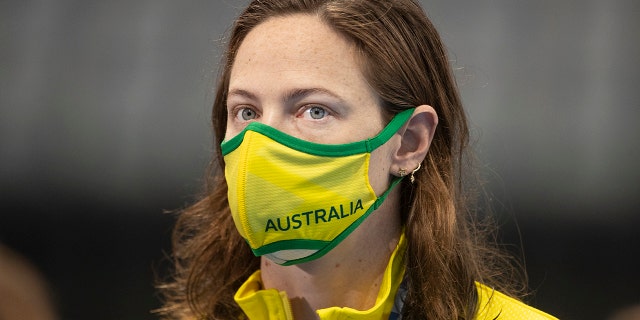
(297, 94)
(294, 94)
(242, 93)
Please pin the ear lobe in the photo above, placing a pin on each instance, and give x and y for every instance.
(416, 137)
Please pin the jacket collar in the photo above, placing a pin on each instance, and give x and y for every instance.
(258, 303)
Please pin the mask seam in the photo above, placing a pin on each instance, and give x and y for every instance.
(327, 150)
(244, 219)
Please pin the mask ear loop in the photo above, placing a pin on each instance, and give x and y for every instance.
(412, 178)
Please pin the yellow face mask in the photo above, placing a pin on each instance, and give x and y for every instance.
(294, 200)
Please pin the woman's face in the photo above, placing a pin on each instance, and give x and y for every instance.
(297, 75)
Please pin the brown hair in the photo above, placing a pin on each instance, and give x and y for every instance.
(403, 59)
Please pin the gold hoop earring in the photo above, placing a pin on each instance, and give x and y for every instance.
(414, 171)
(402, 172)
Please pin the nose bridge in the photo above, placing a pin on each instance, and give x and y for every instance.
(274, 114)
(271, 115)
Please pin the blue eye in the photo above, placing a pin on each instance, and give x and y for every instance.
(246, 114)
(316, 113)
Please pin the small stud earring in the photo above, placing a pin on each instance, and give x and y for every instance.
(413, 172)
(402, 172)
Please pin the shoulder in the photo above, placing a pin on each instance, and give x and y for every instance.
(493, 304)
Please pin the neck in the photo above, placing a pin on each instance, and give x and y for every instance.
(347, 276)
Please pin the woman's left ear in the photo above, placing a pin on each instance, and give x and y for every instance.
(416, 136)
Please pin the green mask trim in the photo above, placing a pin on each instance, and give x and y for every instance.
(304, 177)
(332, 150)
(322, 246)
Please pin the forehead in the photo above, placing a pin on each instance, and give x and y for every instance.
(296, 33)
(295, 47)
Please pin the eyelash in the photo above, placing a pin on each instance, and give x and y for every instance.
(305, 109)
(235, 113)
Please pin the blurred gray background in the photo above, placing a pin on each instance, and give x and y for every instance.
(104, 125)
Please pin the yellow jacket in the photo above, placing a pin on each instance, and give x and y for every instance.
(272, 304)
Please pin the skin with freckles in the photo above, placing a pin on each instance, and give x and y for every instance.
(296, 74)
(305, 82)
(334, 72)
